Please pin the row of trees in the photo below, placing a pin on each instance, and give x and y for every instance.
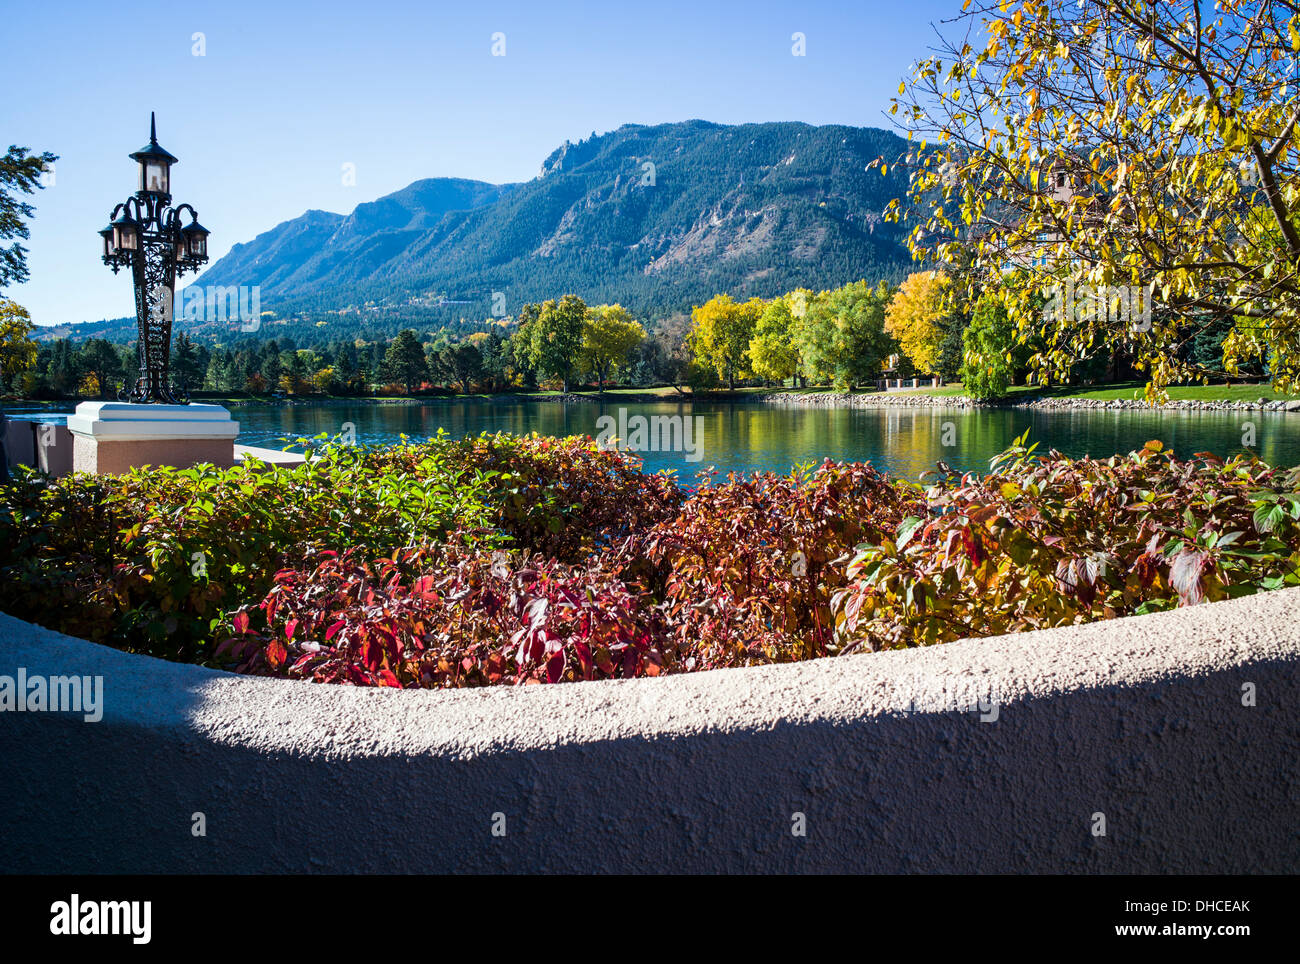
(844, 337)
(97, 368)
(350, 368)
(555, 342)
(562, 339)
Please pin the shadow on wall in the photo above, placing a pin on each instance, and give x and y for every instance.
(1183, 790)
(41, 445)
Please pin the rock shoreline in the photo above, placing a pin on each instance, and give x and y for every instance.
(899, 400)
(822, 400)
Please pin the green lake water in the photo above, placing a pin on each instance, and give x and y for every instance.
(748, 436)
(753, 436)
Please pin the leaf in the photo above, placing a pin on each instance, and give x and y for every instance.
(973, 544)
(276, 653)
(1185, 575)
(908, 528)
(1268, 517)
(555, 667)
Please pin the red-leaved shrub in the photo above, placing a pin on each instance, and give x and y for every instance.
(1054, 541)
(448, 617)
(748, 567)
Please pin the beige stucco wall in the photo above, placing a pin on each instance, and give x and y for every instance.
(1145, 721)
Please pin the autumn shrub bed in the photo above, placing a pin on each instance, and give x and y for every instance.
(506, 559)
(156, 560)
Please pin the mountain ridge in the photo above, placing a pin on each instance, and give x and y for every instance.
(653, 216)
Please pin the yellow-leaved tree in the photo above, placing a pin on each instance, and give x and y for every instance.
(723, 329)
(1121, 149)
(17, 348)
(609, 334)
(773, 353)
(914, 316)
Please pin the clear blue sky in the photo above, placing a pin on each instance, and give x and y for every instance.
(288, 92)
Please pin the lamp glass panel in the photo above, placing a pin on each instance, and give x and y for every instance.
(156, 177)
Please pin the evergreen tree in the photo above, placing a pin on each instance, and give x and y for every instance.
(188, 364)
(99, 359)
(347, 368)
(217, 376)
(270, 367)
(62, 370)
(461, 364)
(497, 361)
(404, 361)
(296, 368)
(19, 171)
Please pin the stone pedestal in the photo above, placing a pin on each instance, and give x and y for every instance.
(111, 437)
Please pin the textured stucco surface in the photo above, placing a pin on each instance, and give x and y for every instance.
(1140, 719)
(108, 457)
(41, 445)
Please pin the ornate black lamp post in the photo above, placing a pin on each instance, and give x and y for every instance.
(146, 235)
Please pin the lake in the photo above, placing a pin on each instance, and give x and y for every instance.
(745, 436)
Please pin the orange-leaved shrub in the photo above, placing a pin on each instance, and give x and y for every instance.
(1051, 541)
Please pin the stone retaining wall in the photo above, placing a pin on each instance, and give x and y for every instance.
(920, 400)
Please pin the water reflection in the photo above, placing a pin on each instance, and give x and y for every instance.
(749, 436)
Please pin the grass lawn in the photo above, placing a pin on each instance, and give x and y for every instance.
(664, 391)
(1128, 390)
(1181, 393)
(950, 390)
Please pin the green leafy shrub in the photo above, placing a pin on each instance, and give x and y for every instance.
(152, 559)
(562, 497)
